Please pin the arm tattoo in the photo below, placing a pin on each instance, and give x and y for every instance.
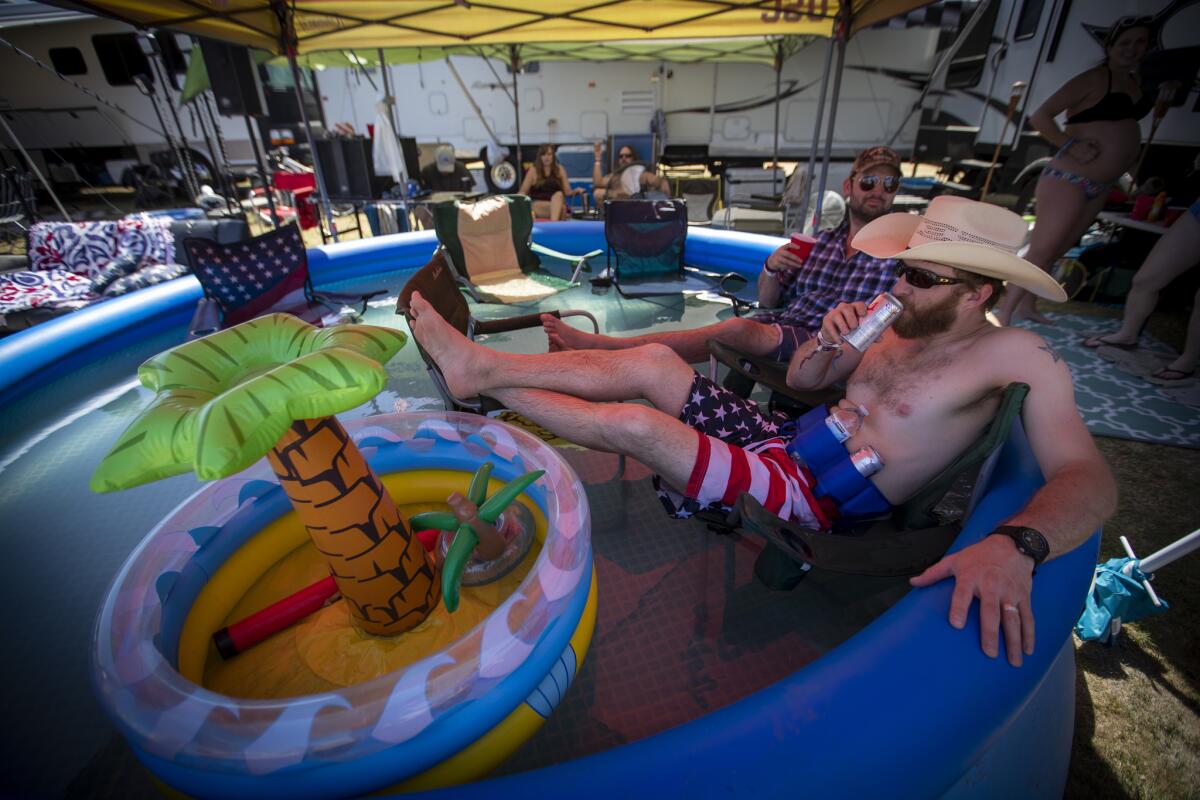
(1053, 353)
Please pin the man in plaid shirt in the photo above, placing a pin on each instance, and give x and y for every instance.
(803, 290)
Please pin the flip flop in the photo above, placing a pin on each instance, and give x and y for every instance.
(1170, 377)
(1099, 341)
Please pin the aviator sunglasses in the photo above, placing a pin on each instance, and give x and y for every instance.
(922, 278)
(868, 182)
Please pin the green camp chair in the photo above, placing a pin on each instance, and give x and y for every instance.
(905, 543)
(488, 243)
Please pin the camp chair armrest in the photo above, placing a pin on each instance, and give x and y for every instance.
(881, 550)
(338, 297)
(206, 320)
(581, 262)
(527, 321)
(771, 374)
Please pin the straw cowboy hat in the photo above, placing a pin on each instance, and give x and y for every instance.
(967, 234)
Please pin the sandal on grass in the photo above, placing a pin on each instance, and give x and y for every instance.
(1170, 377)
(1099, 341)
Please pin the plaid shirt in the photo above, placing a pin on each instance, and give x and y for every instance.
(828, 278)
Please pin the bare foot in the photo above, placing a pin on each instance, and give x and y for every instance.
(461, 361)
(563, 337)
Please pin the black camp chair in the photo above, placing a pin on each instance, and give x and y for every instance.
(905, 542)
(645, 252)
(436, 283)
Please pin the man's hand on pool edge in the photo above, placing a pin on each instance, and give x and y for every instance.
(1002, 578)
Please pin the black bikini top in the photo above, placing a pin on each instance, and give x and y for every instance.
(1115, 106)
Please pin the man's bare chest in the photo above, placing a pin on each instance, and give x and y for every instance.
(908, 384)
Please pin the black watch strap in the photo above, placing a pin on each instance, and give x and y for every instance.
(1029, 541)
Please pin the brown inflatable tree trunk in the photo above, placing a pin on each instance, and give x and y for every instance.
(386, 576)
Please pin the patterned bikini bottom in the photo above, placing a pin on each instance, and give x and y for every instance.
(1091, 189)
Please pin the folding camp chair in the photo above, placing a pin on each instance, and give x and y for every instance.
(265, 274)
(907, 541)
(436, 283)
(645, 252)
(488, 242)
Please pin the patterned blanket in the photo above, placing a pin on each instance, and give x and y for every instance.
(84, 248)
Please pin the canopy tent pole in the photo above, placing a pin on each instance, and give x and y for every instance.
(162, 76)
(937, 69)
(391, 102)
(816, 137)
(312, 144)
(33, 166)
(515, 63)
(775, 149)
(833, 104)
(255, 145)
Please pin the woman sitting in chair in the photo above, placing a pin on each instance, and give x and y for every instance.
(547, 185)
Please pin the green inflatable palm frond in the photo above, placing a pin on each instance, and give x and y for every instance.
(223, 401)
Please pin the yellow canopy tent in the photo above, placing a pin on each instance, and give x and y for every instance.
(307, 26)
(301, 27)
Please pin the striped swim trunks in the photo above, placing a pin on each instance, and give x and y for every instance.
(740, 450)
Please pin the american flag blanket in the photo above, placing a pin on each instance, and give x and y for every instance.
(740, 450)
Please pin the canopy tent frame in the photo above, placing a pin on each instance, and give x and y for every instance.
(272, 25)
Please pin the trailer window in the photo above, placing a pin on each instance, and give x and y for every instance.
(120, 57)
(1027, 23)
(68, 60)
(967, 66)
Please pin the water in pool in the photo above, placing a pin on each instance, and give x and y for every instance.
(64, 544)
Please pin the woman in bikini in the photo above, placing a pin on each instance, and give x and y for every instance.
(547, 185)
(1100, 143)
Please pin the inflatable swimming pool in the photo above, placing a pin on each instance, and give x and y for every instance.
(906, 707)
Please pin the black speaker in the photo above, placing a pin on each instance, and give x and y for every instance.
(233, 76)
(347, 166)
(412, 157)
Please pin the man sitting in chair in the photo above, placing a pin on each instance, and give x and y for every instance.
(629, 179)
(804, 290)
(708, 445)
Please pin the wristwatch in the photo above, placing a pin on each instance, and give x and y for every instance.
(1029, 542)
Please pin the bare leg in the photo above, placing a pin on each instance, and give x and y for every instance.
(598, 196)
(651, 373)
(556, 206)
(1176, 251)
(1191, 349)
(541, 209)
(659, 441)
(755, 338)
(1064, 214)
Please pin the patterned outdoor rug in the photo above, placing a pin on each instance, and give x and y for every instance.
(1113, 396)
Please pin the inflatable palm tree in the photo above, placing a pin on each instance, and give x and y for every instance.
(271, 386)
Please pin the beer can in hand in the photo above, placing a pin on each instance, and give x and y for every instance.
(881, 313)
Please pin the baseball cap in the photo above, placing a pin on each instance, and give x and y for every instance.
(445, 158)
(874, 157)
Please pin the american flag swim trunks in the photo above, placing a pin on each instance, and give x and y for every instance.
(740, 450)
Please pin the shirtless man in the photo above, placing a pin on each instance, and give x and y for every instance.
(610, 186)
(803, 289)
(711, 445)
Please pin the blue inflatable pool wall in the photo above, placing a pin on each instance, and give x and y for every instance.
(908, 707)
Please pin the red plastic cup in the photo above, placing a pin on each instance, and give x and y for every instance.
(801, 245)
(1141, 206)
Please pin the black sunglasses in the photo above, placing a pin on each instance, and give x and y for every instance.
(624, 155)
(868, 182)
(922, 278)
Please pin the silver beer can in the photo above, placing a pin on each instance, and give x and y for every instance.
(881, 313)
(866, 461)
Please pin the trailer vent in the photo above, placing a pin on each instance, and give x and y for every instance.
(637, 101)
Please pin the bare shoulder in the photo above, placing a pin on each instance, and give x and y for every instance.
(1021, 355)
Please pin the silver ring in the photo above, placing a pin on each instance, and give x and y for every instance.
(1010, 609)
